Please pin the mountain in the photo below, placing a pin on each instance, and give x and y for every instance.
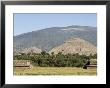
(75, 45)
(48, 38)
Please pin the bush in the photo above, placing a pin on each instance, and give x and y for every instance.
(59, 60)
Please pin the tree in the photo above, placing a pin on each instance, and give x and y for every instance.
(52, 55)
(43, 53)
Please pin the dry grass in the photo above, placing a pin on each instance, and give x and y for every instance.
(54, 71)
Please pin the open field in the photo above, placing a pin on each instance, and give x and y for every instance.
(54, 71)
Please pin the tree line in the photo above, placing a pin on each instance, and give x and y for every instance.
(45, 59)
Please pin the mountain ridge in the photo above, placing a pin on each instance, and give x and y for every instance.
(48, 38)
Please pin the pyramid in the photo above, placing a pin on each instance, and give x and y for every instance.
(31, 50)
(75, 45)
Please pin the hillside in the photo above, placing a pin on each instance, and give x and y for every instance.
(48, 38)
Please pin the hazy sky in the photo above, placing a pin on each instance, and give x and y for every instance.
(30, 22)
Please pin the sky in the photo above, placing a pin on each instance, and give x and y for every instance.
(27, 22)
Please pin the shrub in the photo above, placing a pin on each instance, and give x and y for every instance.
(59, 60)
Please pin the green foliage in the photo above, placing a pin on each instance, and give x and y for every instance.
(43, 53)
(59, 60)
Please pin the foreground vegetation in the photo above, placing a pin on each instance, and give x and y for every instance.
(54, 71)
(59, 60)
(59, 64)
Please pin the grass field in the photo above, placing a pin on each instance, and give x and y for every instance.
(54, 71)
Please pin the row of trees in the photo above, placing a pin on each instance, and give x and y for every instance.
(59, 60)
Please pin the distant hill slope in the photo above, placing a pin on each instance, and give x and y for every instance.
(48, 38)
(75, 45)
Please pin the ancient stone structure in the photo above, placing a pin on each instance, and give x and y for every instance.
(75, 45)
(22, 63)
